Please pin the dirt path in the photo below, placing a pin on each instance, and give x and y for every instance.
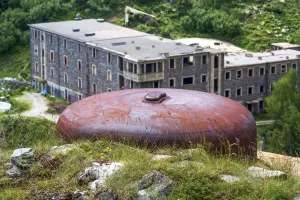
(38, 106)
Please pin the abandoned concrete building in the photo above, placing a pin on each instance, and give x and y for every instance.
(76, 59)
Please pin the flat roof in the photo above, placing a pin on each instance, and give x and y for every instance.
(285, 45)
(119, 39)
(247, 59)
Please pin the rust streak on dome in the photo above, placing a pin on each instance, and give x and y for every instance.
(163, 116)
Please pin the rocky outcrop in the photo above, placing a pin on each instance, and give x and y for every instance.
(264, 173)
(105, 194)
(21, 160)
(155, 185)
(97, 174)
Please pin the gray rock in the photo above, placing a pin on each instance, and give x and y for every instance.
(105, 194)
(186, 163)
(14, 171)
(155, 185)
(98, 174)
(161, 157)
(80, 196)
(229, 178)
(297, 197)
(22, 158)
(62, 150)
(264, 173)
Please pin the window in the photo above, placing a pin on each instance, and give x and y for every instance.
(51, 56)
(94, 89)
(227, 75)
(216, 63)
(79, 65)
(172, 82)
(65, 43)
(261, 71)
(203, 78)
(51, 39)
(42, 37)
(204, 60)
(156, 84)
(108, 90)
(78, 48)
(188, 81)
(135, 68)
(43, 53)
(109, 75)
(273, 69)
(294, 66)
(172, 63)
(261, 88)
(188, 61)
(250, 72)
(94, 53)
(261, 105)
(131, 84)
(121, 63)
(227, 93)
(94, 70)
(239, 92)
(79, 97)
(36, 50)
(271, 87)
(160, 66)
(66, 78)
(79, 83)
(65, 60)
(239, 74)
(51, 72)
(283, 68)
(108, 57)
(250, 90)
(36, 34)
(36, 67)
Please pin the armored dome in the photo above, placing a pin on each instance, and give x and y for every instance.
(162, 116)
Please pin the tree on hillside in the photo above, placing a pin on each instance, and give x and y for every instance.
(283, 106)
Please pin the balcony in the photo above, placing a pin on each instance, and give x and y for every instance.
(155, 76)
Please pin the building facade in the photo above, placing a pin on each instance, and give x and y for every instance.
(76, 59)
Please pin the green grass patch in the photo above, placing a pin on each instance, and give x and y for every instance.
(262, 117)
(19, 106)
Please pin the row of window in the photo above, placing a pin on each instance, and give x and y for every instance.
(262, 71)
(250, 91)
(189, 80)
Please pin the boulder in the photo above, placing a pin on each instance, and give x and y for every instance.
(97, 174)
(22, 158)
(155, 185)
(14, 171)
(229, 178)
(264, 173)
(105, 194)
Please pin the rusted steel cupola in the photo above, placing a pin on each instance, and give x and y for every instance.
(162, 116)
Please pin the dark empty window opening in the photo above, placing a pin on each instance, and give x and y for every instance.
(160, 67)
(172, 63)
(262, 89)
(239, 92)
(52, 72)
(239, 74)
(130, 67)
(261, 71)
(35, 34)
(156, 84)
(250, 72)
(108, 57)
(94, 53)
(131, 84)
(148, 68)
(227, 93)
(188, 61)
(135, 68)
(42, 37)
(172, 83)
(294, 66)
(216, 62)
(51, 39)
(261, 105)
(204, 60)
(142, 68)
(272, 86)
(52, 56)
(65, 60)
(203, 78)
(250, 90)
(94, 88)
(216, 85)
(283, 68)
(227, 75)
(121, 63)
(188, 81)
(273, 70)
(65, 43)
(79, 66)
(43, 53)
(79, 47)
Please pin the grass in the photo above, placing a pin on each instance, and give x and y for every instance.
(262, 117)
(193, 182)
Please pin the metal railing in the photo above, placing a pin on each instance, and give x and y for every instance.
(143, 77)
